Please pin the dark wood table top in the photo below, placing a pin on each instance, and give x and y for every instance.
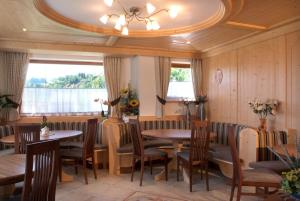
(58, 135)
(12, 168)
(176, 134)
(171, 134)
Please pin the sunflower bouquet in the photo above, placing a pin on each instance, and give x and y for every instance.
(129, 103)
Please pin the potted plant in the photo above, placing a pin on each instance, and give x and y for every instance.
(6, 103)
(291, 179)
(263, 110)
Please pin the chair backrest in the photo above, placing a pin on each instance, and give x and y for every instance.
(42, 163)
(199, 140)
(237, 172)
(90, 137)
(136, 137)
(26, 134)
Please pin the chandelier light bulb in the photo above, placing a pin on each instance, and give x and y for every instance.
(104, 19)
(109, 2)
(118, 26)
(122, 20)
(149, 25)
(155, 25)
(150, 8)
(173, 12)
(125, 31)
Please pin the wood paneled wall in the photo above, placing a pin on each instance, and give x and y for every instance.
(268, 69)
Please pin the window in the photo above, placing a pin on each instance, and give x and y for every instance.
(181, 85)
(62, 87)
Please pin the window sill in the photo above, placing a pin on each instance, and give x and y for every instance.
(38, 119)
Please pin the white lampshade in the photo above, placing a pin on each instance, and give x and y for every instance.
(122, 20)
(104, 19)
(109, 2)
(125, 31)
(118, 26)
(150, 8)
(173, 12)
(155, 25)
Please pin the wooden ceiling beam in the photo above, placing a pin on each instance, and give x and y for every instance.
(122, 51)
(246, 26)
(111, 41)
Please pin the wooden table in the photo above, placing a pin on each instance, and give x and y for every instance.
(12, 168)
(178, 136)
(58, 135)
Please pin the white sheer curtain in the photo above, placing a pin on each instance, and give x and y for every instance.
(196, 67)
(162, 78)
(57, 102)
(113, 72)
(13, 69)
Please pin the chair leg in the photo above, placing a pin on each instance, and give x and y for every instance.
(232, 191)
(166, 167)
(201, 173)
(238, 197)
(60, 170)
(206, 175)
(142, 171)
(84, 171)
(76, 167)
(132, 168)
(178, 169)
(94, 166)
(150, 162)
(191, 177)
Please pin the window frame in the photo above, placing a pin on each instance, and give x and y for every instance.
(177, 65)
(62, 62)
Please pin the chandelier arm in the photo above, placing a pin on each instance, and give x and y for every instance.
(139, 18)
(123, 8)
(157, 12)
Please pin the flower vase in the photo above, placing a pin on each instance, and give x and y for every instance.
(263, 124)
(202, 112)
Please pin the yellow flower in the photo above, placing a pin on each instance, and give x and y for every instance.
(124, 91)
(134, 103)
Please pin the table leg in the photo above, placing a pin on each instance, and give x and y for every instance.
(66, 177)
(173, 163)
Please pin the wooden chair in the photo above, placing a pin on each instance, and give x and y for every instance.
(259, 177)
(84, 153)
(26, 134)
(198, 153)
(42, 162)
(139, 153)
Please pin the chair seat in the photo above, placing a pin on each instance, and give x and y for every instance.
(261, 175)
(153, 152)
(7, 152)
(185, 155)
(80, 145)
(276, 166)
(71, 153)
(128, 148)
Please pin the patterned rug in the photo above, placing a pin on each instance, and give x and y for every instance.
(144, 196)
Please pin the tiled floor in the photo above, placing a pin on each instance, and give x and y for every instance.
(119, 188)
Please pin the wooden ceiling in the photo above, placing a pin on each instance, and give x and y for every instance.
(18, 14)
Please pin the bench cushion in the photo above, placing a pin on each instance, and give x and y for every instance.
(276, 166)
(7, 152)
(220, 152)
(147, 144)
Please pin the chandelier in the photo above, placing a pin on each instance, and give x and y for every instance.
(136, 13)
